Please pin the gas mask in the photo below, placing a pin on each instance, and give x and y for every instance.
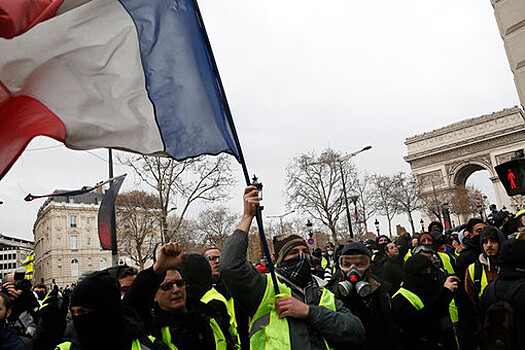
(352, 265)
(330, 252)
(354, 281)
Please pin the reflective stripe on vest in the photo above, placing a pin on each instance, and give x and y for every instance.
(324, 262)
(64, 346)
(447, 265)
(484, 281)
(213, 294)
(418, 304)
(411, 297)
(220, 340)
(267, 330)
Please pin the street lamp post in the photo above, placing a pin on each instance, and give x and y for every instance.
(377, 227)
(340, 161)
(354, 199)
(281, 216)
(422, 225)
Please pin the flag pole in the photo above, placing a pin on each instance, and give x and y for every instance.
(113, 222)
(240, 158)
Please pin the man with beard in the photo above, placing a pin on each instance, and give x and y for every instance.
(421, 306)
(484, 270)
(365, 295)
(304, 315)
(100, 319)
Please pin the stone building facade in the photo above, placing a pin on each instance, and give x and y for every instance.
(510, 16)
(67, 242)
(13, 252)
(66, 239)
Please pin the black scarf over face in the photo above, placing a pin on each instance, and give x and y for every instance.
(298, 270)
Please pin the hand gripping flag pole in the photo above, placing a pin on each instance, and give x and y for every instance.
(220, 88)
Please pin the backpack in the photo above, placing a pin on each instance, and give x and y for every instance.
(497, 328)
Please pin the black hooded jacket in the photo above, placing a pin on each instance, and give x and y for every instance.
(189, 330)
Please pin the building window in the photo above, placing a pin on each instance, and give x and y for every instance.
(71, 200)
(73, 242)
(73, 221)
(88, 242)
(88, 220)
(127, 241)
(74, 267)
(126, 223)
(103, 263)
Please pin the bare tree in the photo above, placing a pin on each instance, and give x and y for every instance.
(205, 178)
(465, 200)
(405, 194)
(383, 199)
(215, 224)
(138, 225)
(364, 189)
(314, 186)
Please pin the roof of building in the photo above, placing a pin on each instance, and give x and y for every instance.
(86, 198)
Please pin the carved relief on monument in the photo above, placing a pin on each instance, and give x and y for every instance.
(433, 177)
(481, 127)
(428, 159)
(504, 157)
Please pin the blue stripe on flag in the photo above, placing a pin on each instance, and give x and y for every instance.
(180, 79)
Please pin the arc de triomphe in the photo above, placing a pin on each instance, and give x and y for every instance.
(444, 158)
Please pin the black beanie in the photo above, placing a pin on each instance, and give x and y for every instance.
(196, 271)
(512, 255)
(417, 264)
(98, 291)
(356, 247)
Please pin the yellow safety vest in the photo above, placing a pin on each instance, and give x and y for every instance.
(484, 280)
(418, 305)
(213, 294)
(220, 340)
(267, 330)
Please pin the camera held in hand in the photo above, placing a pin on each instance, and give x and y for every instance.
(20, 282)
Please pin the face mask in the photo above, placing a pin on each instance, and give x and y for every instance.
(354, 282)
(330, 252)
(41, 295)
(297, 270)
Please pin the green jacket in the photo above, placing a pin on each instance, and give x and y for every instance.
(248, 287)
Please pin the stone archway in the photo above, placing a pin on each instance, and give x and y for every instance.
(443, 159)
(460, 172)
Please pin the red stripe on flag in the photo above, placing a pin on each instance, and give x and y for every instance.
(18, 16)
(21, 119)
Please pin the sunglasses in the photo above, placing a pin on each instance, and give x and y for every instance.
(213, 257)
(169, 285)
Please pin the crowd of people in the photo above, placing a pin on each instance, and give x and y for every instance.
(461, 289)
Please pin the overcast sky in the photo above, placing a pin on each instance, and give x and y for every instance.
(306, 75)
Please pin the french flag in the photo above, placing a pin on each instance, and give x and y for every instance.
(135, 75)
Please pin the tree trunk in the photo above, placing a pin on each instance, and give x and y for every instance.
(411, 220)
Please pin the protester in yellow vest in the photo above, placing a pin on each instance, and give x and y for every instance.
(240, 318)
(304, 315)
(172, 310)
(421, 307)
(485, 269)
(100, 319)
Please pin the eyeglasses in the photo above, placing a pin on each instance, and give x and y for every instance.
(213, 257)
(169, 285)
